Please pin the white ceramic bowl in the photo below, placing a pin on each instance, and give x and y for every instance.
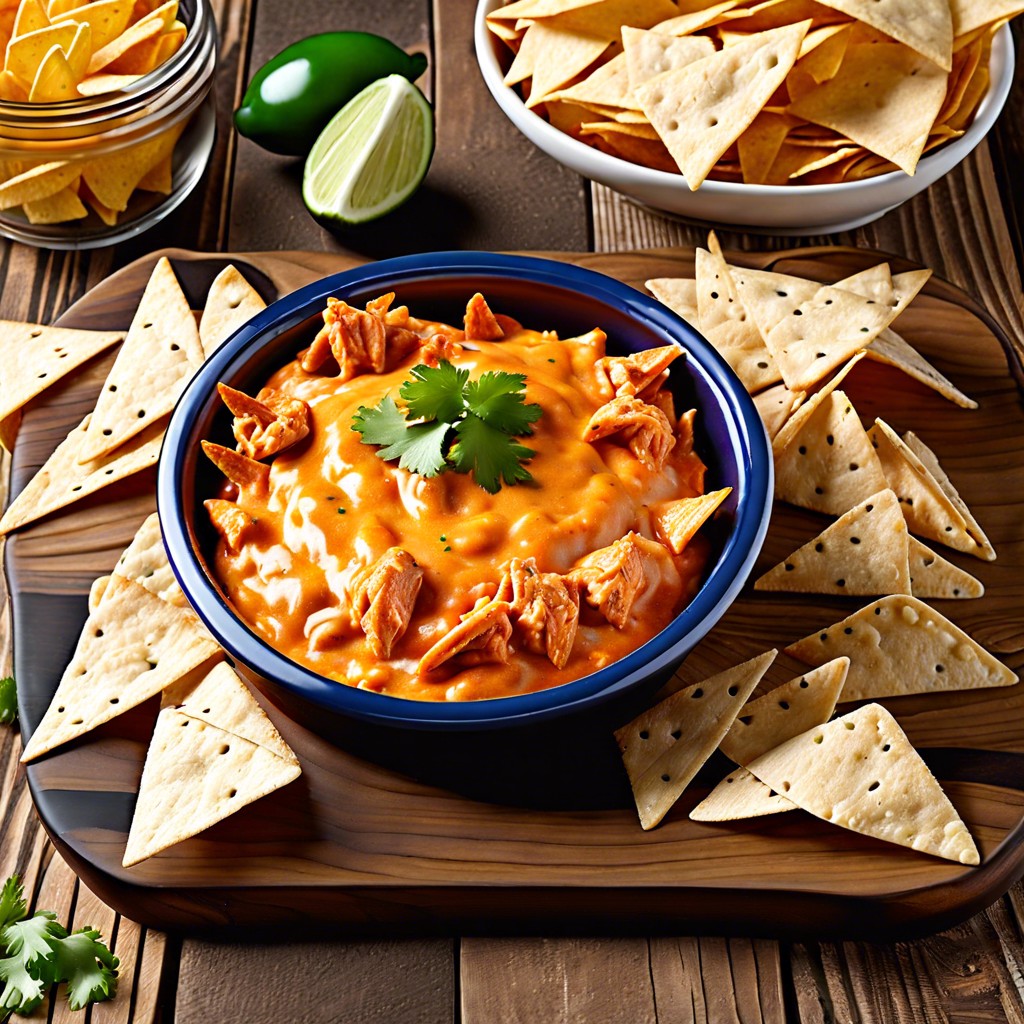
(780, 209)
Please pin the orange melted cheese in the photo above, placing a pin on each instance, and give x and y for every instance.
(333, 507)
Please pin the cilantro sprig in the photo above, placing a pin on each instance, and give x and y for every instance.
(452, 422)
(37, 952)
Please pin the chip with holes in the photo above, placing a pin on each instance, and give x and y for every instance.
(160, 352)
(231, 302)
(209, 757)
(131, 647)
(931, 575)
(931, 505)
(865, 551)
(664, 747)
(145, 562)
(860, 772)
(899, 645)
(775, 405)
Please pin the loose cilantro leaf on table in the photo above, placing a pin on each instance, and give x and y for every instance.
(451, 422)
(8, 701)
(36, 952)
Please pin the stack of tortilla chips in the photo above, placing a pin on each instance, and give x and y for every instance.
(771, 92)
(70, 50)
(214, 750)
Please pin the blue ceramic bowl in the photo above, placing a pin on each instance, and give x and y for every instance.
(541, 294)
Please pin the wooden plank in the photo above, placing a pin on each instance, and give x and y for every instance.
(318, 982)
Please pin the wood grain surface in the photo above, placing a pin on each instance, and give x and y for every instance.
(968, 227)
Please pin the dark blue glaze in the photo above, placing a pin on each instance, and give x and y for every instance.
(541, 294)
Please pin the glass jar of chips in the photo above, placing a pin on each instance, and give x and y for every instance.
(132, 137)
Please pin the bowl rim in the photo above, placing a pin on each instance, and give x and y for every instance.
(745, 432)
(611, 168)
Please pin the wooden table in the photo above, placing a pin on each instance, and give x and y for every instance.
(489, 189)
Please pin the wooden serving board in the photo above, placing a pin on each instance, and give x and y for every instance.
(537, 831)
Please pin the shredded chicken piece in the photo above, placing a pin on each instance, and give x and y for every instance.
(486, 630)
(383, 597)
(266, 424)
(479, 322)
(546, 606)
(229, 520)
(381, 306)
(248, 474)
(635, 374)
(612, 578)
(645, 428)
(438, 347)
(662, 399)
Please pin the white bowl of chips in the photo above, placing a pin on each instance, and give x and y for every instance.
(810, 203)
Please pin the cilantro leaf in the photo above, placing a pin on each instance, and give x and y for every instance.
(8, 700)
(421, 450)
(435, 392)
(490, 454)
(498, 398)
(12, 902)
(383, 424)
(88, 967)
(32, 941)
(21, 993)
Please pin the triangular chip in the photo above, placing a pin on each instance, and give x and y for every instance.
(607, 87)
(62, 206)
(145, 562)
(37, 183)
(932, 576)
(893, 350)
(131, 647)
(649, 54)
(813, 333)
(860, 772)
(607, 18)
(829, 465)
(899, 645)
(221, 699)
(54, 81)
(106, 18)
(785, 712)
(113, 178)
(105, 56)
(664, 747)
(924, 25)
(551, 57)
(677, 521)
(740, 795)
(701, 109)
(231, 302)
(969, 15)
(196, 775)
(759, 145)
(34, 356)
(160, 352)
(679, 294)
(776, 405)
(885, 97)
(722, 319)
(931, 505)
(803, 413)
(65, 478)
(863, 552)
(873, 283)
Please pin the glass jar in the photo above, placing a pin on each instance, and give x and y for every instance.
(177, 91)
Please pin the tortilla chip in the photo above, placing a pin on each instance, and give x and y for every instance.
(723, 319)
(145, 562)
(131, 647)
(784, 438)
(80, 51)
(66, 478)
(105, 214)
(701, 109)
(885, 97)
(740, 795)
(932, 576)
(97, 85)
(693, 21)
(830, 465)
(54, 81)
(12, 91)
(863, 552)
(926, 26)
(861, 773)
(676, 522)
(814, 332)
(201, 768)
(823, 51)
(96, 592)
(649, 54)
(776, 405)
(898, 645)
(25, 53)
(159, 178)
(159, 353)
(107, 19)
(606, 18)
(607, 87)
(231, 302)
(31, 17)
(37, 183)
(679, 294)
(551, 57)
(931, 505)
(785, 712)
(658, 766)
(35, 356)
(759, 145)
(891, 349)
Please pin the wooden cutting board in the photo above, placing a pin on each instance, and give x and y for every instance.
(537, 831)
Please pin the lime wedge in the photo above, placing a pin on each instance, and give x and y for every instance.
(372, 155)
